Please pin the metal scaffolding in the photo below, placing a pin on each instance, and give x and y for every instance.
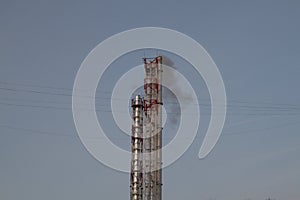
(150, 181)
(153, 128)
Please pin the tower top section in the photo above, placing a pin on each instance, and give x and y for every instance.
(152, 59)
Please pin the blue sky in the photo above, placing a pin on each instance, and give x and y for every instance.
(255, 44)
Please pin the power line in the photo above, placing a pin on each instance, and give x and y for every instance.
(252, 107)
(237, 102)
(225, 133)
(261, 113)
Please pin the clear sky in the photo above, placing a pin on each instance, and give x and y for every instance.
(255, 44)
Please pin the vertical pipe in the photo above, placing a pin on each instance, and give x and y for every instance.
(136, 177)
(159, 126)
(147, 139)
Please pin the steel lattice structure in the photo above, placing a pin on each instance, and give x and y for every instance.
(146, 173)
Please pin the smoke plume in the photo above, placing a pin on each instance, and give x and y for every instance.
(171, 102)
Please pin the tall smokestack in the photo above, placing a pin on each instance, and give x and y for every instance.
(146, 161)
(153, 129)
(136, 175)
